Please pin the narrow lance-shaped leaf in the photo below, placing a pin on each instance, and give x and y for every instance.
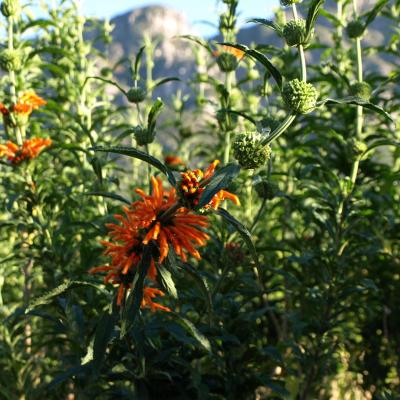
(266, 22)
(136, 68)
(262, 59)
(199, 41)
(312, 16)
(153, 115)
(242, 230)
(135, 153)
(163, 81)
(135, 297)
(221, 180)
(50, 296)
(372, 14)
(359, 102)
(193, 331)
(110, 82)
(109, 195)
(167, 281)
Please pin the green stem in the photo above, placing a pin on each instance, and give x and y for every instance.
(280, 129)
(301, 50)
(228, 85)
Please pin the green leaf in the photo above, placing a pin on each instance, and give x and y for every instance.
(242, 230)
(221, 180)
(167, 281)
(48, 297)
(358, 102)
(153, 115)
(312, 16)
(103, 335)
(161, 82)
(138, 59)
(135, 153)
(110, 196)
(199, 41)
(262, 59)
(240, 114)
(185, 323)
(203, 286)
(371, 15)
(266, 22)
(135, 297)
(382, 142)
(110, 82)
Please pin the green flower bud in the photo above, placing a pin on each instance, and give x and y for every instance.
(294, 33)
(10, 8)
(227, 62)
(362, 90)
(356, 148)
(266, 190)
(355, 29)
(136, 95)
(249, 151)
(253, 74)
(286, 3)
(143, 136)
(299, 96)
(11, 60)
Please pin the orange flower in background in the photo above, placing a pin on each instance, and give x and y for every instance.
(148, 295)
(239, 54)
(4, 109)
(28, 102)
(30, 149)
(174, 161)
(194, 182)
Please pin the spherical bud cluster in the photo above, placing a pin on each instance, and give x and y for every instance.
(227, 62)
(136, 95)
(286, 3)
(295, 33)
(249, 151)
(356, 148)
(11, 60)
(10, 8)
(299, 96)
(143, 136)
(266, 190)
(361, 90)
(355, 29)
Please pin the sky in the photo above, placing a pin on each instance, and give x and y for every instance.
(196, 10)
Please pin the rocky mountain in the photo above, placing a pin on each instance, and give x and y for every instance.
(175, 57)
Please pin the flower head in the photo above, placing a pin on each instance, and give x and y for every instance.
(157, 218)
(30, 149)
(194, 182)
(28, 102)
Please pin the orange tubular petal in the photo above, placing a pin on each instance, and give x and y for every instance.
(121, 292)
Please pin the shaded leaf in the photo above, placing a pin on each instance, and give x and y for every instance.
(221, 180)
(110, 196)
(242, 230)
(135, 153)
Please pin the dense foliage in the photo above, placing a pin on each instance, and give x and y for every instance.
(247, 227)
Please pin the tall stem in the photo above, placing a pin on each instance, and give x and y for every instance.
(228, 85)
(301, 50)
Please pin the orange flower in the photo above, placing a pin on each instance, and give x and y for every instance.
(4, 109)
(28, 102)
(194, 182)
(239, 54)
(157, 217)
(30, 149)
(148, 295)
(166, 222)
(173, 161)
